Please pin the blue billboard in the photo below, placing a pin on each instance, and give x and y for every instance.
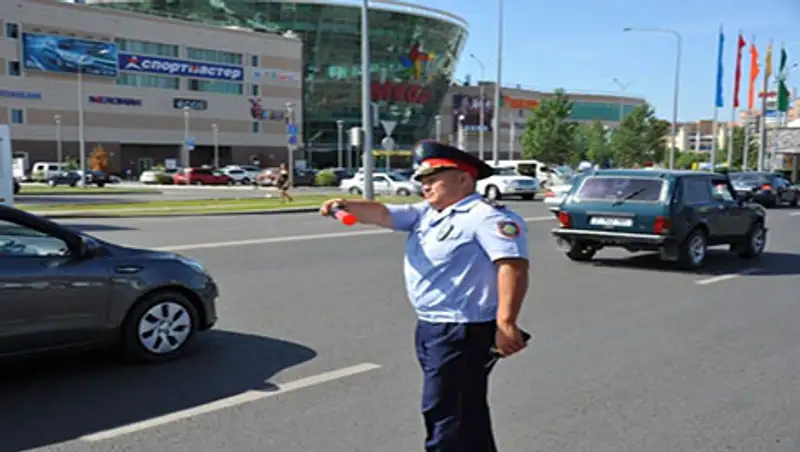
(59, 54)
(179, 68)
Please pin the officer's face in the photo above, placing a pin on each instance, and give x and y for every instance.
(444, 188)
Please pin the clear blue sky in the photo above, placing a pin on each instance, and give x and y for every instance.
(579, 45)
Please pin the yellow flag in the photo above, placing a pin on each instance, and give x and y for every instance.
(768, 63)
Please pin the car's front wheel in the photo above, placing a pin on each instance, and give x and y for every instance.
(159, 327)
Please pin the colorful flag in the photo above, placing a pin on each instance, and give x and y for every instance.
(738, 75)
(720, 100)
(768, 66)
(783, 91)
(751, 91)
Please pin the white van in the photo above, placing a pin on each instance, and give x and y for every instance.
(45, 170)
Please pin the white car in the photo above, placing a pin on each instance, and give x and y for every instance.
(506, 182)
(382, 183)
(241, 174)
(555, 194)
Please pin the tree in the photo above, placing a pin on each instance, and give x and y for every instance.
(98, 159)
(640, 138)
(738, 149)
(549, 134)
(597, 145)
(580, 145)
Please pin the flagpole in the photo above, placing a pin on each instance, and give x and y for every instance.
(718, 100)
(762, 144)
(747, 121)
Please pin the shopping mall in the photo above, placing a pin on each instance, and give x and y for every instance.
(203, 73)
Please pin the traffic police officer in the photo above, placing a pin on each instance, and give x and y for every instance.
(466, 273)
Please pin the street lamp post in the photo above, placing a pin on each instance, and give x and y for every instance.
(675, 96)
(215, 129)
(482, 108)
(496, 116)
(81, 144)
(366, 101)
(290, 146)
(59, 155)
(185, 147)
(624, 88)
(340, 143)
(438, 119)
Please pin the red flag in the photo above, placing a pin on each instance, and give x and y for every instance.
(751, 92)
(741, 44)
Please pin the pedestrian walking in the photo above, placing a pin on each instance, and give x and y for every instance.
(466, 275)
(282, 182)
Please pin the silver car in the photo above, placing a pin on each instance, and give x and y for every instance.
(61, 288)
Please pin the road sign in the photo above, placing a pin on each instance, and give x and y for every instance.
(291, 129)
(388, 143)
(189, 144)
(388, 127)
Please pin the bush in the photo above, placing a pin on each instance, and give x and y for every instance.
(325, 178)
(163, 179)
(37, 176)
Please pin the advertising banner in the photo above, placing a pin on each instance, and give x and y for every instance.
(194, 104)
(59, 54)
(179, 68)
(262, 75)
(110, 100)
(470, 107)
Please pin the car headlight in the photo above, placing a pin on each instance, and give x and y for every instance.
(197, 266)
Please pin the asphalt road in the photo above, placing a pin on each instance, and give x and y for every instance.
(313, 352)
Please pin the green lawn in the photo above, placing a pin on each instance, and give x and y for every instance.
(173, 207)
(66, 190)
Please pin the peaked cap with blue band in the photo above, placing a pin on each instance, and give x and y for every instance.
(434, 157)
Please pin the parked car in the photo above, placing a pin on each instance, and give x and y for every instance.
(244, 175)
(678, 214)
(767, 189)
(382, 183)
(201, 176)
(506, 182)
(73, 179)
(62, 288)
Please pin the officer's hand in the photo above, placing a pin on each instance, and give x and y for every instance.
(508, 339)
(327, 206)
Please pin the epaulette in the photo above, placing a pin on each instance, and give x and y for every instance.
(493, 203)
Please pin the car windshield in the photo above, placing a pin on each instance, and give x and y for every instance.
(397, 177)
(505, 171)
(616, 188)
(747, 179)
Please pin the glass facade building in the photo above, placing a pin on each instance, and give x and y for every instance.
(414, 53)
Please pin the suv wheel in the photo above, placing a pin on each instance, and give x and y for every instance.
(581, 252)
(159, 327)
(692, 253)
(355, 191)
(403, 192)
(754, 242)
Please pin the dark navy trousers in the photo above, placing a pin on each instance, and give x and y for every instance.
(455, 362)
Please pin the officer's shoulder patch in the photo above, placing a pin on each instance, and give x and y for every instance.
(508, 228)
(492, 203)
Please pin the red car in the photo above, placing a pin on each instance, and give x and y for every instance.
(201, 176)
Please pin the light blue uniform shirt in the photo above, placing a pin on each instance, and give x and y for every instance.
(449, 265)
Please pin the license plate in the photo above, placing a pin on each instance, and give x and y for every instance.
(616, 222)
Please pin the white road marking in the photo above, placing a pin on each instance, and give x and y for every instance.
(794, 214)
(245, 397)
(296, 238)
(726, 277)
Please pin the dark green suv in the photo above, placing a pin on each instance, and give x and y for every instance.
(679, 214)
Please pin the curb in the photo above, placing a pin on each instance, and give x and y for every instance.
(99, 215)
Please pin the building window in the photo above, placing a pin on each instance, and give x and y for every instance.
(147, 47)
(149, 81)
(214, 56)
(12, 30)
(17, 116)
(256, 127)
(254, 90)
(254, 60)
(14, 68)
(216, 87)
